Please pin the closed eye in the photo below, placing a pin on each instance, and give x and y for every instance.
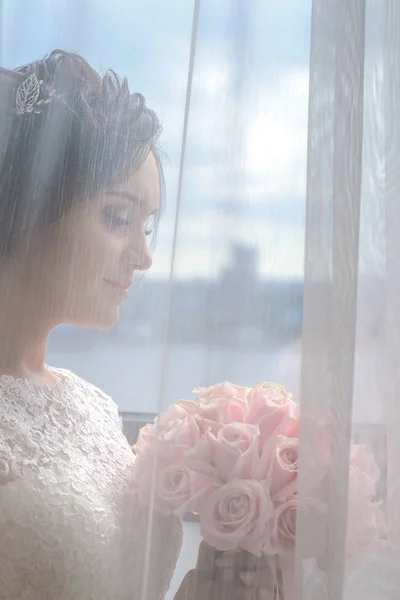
(116, 217)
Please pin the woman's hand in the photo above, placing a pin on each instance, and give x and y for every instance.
(234, 575)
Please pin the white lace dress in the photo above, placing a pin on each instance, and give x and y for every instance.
(69, 530)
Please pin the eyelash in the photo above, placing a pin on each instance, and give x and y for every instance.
(114, 219)
(121, 222)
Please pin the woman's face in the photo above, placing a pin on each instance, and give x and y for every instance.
(82, 273)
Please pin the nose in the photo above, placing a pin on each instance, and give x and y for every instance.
(140, 257)
(145, 259)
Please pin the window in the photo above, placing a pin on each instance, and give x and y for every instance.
(237, 280)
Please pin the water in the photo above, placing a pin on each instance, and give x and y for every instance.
(132, 375)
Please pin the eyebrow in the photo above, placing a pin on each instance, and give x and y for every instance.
(131, 197)
(123, 194)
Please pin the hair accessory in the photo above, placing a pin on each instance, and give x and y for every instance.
(31, 96)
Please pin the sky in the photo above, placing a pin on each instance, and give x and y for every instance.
(245, 160)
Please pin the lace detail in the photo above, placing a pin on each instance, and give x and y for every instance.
(68, 528)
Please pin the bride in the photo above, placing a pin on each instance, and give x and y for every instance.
(80, 177)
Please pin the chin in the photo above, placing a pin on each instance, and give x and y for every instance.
(103, 321)
(108, 320)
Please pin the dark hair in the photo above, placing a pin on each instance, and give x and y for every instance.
(92, 134)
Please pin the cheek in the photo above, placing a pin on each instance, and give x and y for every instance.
(88, 256)
(97, 251)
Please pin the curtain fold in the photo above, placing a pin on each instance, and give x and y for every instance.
(350, 343)
(390, 364)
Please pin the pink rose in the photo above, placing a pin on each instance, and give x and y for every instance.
(177, 488)
(234, 450)
(171, 443)
(238, 436)
(279, 463)
(170, 437)
(179, 410)
(222, 390)
(182, 436)
(217, 411)
(283, 537)
(146, 439)
(284, 469)
(238, 514)
(271, 408)
(183, 442)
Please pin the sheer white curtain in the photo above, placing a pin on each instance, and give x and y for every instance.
(283, 194)
(389, 368)
(351, 291)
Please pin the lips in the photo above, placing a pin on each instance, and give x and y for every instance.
(124, 286)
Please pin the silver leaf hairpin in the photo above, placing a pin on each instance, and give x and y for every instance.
(27, 100)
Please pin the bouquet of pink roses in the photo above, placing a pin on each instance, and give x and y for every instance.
(232, 457)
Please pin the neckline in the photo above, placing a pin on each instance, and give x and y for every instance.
(63, 376)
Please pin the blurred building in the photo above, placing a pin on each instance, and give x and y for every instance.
(238, 308)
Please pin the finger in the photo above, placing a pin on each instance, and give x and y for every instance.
(206, 560)
(227, 565)
(262, 579)
(230, 590)
(225, 561)
(250, 562)
(227, 558)
(225, 575)
(241, 593)
(248, 578)
(253, 594)
(230, 565)
(241, 559)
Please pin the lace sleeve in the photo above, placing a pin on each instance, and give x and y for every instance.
(65, 532)
(10, 580)
(20, 575)
(164, 544)
(9, 530)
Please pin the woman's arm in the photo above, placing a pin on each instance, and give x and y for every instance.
(228, 576)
